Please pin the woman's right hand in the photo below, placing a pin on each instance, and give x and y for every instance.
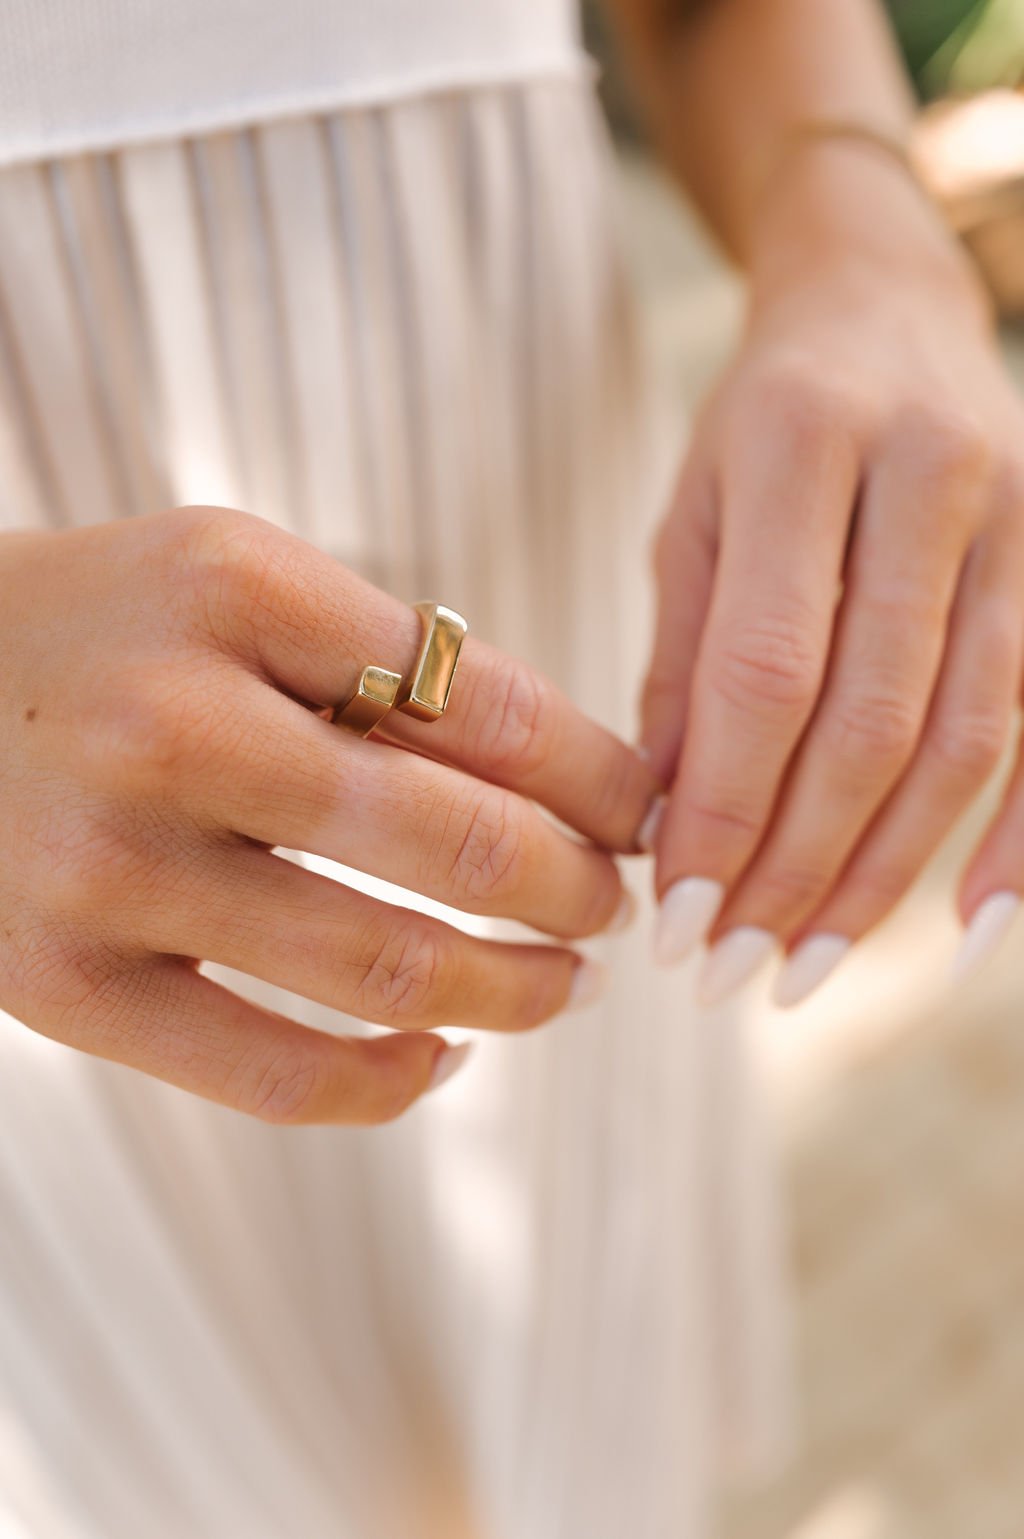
(156, 742)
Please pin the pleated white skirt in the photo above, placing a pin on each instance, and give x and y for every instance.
(546, 1304)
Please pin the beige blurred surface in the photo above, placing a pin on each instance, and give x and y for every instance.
(900, 1103)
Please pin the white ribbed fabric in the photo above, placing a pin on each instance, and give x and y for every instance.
(116, 72)
(546, 1303)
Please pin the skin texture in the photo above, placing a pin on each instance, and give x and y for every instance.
(841, 573)
(837, 661)
(162, 735)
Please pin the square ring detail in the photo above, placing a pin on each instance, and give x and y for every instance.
(375, 695)
(425, 695)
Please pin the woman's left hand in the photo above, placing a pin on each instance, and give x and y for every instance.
(840, 640)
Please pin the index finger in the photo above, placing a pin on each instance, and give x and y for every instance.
(311, 626)
(786, 508)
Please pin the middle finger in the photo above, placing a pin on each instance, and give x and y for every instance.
(308, 785)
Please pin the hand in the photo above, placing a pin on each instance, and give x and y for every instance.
(156, 742)
(839, 646)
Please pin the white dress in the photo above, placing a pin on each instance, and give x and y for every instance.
(546, 1303)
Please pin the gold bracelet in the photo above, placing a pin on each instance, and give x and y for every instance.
(853, 131)
(851, 128)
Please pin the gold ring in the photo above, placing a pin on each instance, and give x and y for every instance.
(373, 699)
(425, 695)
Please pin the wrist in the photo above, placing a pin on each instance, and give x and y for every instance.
(843, 206)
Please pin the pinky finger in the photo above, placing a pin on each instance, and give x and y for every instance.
(993, 885)
(181, 1027)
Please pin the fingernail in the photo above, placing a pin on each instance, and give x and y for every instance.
(624, 915)
(811, 963)
(589, 982)
(988, 925)
(448, 1062)
(733, 962)
(686, 914)
(647, 833)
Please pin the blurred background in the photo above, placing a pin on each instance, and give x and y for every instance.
(899, 1101)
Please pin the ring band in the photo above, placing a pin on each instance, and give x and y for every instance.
(426, 694)
(375, 695)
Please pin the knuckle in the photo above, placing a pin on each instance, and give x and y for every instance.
(230, 562)
(726, 814)
(214, 539)
(878, 887)
(970, 745)
(803, 403)
(876, 729)
(287, 1087)
(947, 444)
(60, 985)
(37, 971)
(772, 664)
(787, 888)
(515, 732)
(153, 729)
(488, 862)
(400, 982)
(85, 865)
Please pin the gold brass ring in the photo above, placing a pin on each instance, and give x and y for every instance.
(425, 695)
(375, 695)
(426, 692)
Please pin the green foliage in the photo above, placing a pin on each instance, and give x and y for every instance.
(961, 45)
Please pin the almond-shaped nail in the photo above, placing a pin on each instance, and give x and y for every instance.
(987, 927)
(733, 962)
(686, 915)
(589, 982)
(811, 963)
(448, 1062)
(647, 833)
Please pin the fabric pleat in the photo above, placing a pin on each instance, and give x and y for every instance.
(546, 1303)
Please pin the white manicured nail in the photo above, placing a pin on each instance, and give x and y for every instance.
(808, 967)
(647, 833)
(589, 982)
(988, 925)
(448, 1063)
(730, 964)
(686, 915)
(624, 915)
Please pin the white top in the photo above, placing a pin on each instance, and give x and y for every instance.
(77, 76)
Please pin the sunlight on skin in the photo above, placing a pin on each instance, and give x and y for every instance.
(387, 892)
(983, 141)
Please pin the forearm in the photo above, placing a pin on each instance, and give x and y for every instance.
(723, 83)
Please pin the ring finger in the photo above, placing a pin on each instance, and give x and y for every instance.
(267, 917)
(966, 731)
